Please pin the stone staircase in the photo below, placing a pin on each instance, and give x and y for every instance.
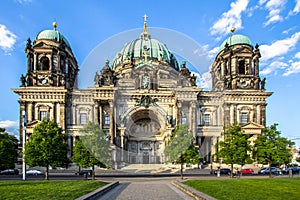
(146, 168)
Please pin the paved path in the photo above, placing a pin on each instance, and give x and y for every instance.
(145, 189)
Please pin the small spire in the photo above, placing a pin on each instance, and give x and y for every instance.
(232, 30)
(145, 34)
(145, 23)
(54, 24)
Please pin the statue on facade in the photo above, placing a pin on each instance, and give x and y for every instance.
(23, 81)
(96, 78)
(169, 119)
(263, 84)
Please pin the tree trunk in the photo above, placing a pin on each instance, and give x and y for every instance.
(231, 170)
(270, 172)
(47, 173)
(93, 172)
(181, 170)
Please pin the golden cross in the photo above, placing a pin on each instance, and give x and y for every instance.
(145, 17)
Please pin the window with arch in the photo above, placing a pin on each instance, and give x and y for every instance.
(106, 120)
(242, 69)
(244, 118)
(83, 118)
(44, 63)
(206, 119)
(43, 115)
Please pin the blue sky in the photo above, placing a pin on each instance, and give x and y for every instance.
(273, 24)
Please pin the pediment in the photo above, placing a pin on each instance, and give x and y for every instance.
(252, 128)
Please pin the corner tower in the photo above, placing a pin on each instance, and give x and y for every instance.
(237, 65)
(235, 78)
(51, 76)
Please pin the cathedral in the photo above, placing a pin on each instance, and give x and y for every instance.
(143, 94)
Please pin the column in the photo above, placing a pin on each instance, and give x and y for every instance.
(96, 109)
(58, 113)
(193, 117)
(258, 111)
(111, 127)
(51, 111)
(22, 108)
(215, 117)
(29, 112)
(62, 119)
(231, 114)
(178, 115)
(100, 116)
(35, 62)
(74, 114)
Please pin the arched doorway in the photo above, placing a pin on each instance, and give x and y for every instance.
(145, 130)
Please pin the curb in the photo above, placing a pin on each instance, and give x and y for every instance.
(98, 192)
(192, 192)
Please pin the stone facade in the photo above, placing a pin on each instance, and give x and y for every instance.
(143, 95)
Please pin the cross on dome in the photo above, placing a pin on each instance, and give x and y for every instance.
(145, 17)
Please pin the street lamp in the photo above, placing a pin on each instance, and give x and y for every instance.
(23, 143)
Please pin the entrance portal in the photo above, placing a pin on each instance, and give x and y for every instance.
(146, 158)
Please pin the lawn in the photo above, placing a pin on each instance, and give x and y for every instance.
(52, 189)
(265, 188)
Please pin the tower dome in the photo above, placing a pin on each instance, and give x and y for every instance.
(145, 49)
(235, 39)
(53, 35)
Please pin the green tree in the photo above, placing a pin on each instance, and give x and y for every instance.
(46, 146)
(8, 150)
(93, 148)
(180, 148)
(235, 147)
(270, 148)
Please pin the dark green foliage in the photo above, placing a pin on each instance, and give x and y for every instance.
(178, 145)
(234, 147)
(270, 148)
(180, 148)
(46, 146)
(8, 150)
(93, 147)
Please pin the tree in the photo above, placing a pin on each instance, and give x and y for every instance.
(46, 146)
(270, 148)
(180, 148)
(235, 148)
(93, 148)
(8, 150)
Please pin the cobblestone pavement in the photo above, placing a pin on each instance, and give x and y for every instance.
(139, 189)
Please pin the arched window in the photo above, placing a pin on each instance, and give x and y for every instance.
(242, 67)
(44, 63)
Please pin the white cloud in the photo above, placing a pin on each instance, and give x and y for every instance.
(296, 9)
(8, 124)
(289, 30)
(297, 55)
(274, 7)
(7, 39)
(203, 81)
(293, 69)
(231, 18)
(213, 53)
(273, 68)
(279, 47)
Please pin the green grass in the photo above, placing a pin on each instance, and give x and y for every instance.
(52, 189)
(266, 188)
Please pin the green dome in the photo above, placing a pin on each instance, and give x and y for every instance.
(138, 48)
(235, 39)
(53, 35)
